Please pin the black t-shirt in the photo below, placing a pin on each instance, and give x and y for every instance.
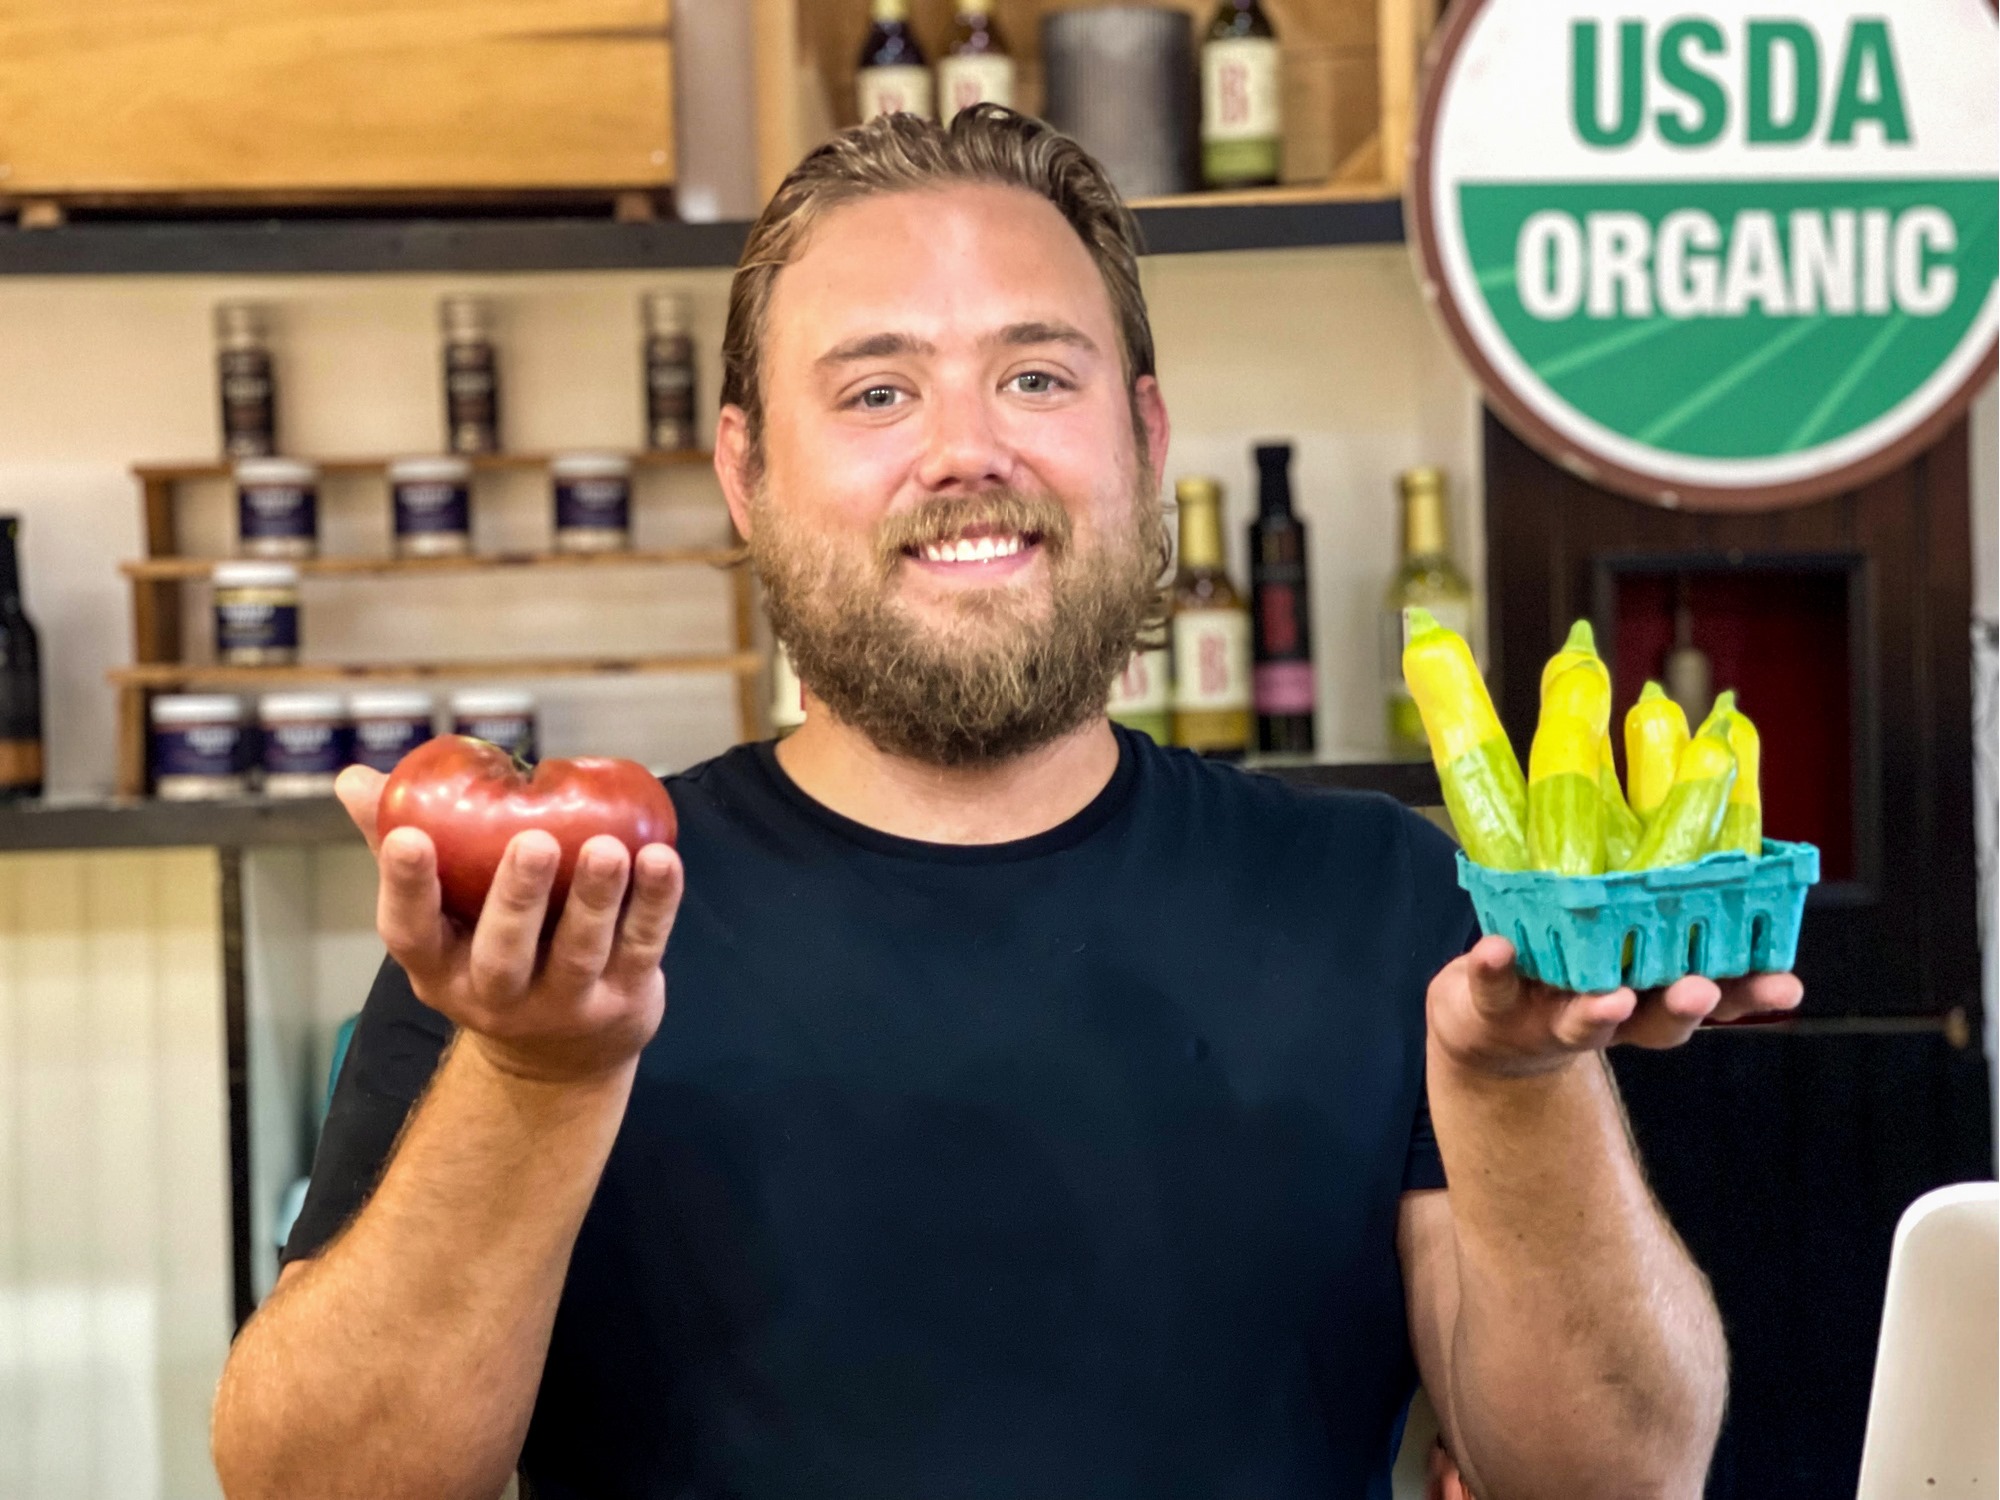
(1062, 1167)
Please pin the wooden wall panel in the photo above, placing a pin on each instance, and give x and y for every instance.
(210, 97)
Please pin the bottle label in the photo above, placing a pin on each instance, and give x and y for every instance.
(1211, 659)
(305, 747)
(975, 78)
(256, 621)
(425, 507)
(20, 763)
(271, 511)
(1284, 687)
(1280, 601)
(472, 397)
(593, 505)
(380, 743)
(248, 414)
(888, 91)
(514, 733)
(1145, 686)
(1239, 90)
(200, 750)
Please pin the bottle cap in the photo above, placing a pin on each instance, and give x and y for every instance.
(429, 471)
(197, 708)
(464, 319)
(480, 702)
(239, 325)
(1198, 489)
(590, 466)
(1426, 478)
(277, 708)
(255, 575)
(667, 312)
(275, 471)
(391, 704)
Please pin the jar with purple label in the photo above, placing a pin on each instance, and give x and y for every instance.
(201, 747)
(306, 741)
(256, 614)
(432, 499)
(593, 501)
(277, 508)
(388, 726)
(501, 716)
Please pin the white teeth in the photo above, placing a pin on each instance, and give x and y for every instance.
(965, 550)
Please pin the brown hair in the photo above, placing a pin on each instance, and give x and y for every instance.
(902, 153)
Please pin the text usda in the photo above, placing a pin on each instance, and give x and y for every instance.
(1843, 263)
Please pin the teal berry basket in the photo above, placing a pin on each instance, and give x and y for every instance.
(1723, 915)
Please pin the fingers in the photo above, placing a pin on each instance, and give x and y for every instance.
(409, 914)
(502, 960)
(589, 921)
(1495, 983)
(360, 792)
(657, 882)
(1758, 997)
(1668, 1017)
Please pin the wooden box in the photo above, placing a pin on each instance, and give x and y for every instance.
(213, 100)
(1350, 69)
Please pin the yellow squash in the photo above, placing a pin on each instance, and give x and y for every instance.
(1565, 801)
(1656, 731)
(1481, 777)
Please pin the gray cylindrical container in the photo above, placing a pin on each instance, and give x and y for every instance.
(1120, 79)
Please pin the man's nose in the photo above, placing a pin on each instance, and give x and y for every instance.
(964, 448)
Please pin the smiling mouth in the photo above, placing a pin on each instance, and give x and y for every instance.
(975, 545)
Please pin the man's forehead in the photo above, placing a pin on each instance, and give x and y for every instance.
(964, 261)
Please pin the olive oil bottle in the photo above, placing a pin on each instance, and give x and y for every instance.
(1427, 577)
(1211, 632)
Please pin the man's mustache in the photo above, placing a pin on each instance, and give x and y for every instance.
(996, 510)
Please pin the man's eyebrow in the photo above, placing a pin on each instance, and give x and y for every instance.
(1020, 335)
(875, 346)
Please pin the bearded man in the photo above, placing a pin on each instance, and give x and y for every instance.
(1039, 1112)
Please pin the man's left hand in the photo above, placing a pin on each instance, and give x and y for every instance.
(1490, 1019)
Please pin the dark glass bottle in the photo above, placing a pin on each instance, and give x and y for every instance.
(20, 679)
(1280, 612)
(1241, 104)
(892, 75)
(471, 377)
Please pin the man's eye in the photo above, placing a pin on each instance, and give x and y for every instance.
(878, 397)
(1036, 382)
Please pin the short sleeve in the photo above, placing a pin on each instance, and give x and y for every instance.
(395, 1050)
(1449, 915)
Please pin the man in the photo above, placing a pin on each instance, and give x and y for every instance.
(1039, 1112)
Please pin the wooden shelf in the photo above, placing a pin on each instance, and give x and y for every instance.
(159, 676)
(482, 463)
(177, 569)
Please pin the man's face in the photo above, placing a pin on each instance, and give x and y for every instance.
(957, 528)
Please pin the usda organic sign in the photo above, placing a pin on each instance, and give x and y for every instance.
(1731, 254)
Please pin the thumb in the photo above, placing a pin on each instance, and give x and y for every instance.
(360, 792)
(1495, 983)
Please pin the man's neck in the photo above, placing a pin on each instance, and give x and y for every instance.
(1017, 799)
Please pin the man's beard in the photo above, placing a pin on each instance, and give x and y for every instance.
(1009, 672)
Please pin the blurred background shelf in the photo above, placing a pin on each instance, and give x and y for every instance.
(171, 675)
(179, 569)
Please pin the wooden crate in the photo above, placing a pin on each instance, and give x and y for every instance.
(203, 101)
(1350, 69)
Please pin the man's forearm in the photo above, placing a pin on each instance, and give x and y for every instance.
(1587, 1358)
(404, 1360)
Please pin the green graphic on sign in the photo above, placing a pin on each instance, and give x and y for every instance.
(1734, 319)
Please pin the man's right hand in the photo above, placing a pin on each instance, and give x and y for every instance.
(579, 1011)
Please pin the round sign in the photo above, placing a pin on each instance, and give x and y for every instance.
(1737, 255)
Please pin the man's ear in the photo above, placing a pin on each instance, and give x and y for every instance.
(1152, 409)
(732, 465)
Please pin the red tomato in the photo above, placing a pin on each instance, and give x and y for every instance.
(472, 797)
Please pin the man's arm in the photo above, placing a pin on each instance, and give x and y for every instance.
(1569, 1342)
(404, 1360)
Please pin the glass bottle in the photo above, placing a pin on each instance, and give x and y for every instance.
(669, 373)
(1211, 632)
(1242, 119)
(976, 67)
(1142, 694)
(1282, 684)
(20, 679)
(1427, 577)
(891, 76)
(245, 382)
(471, 377)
